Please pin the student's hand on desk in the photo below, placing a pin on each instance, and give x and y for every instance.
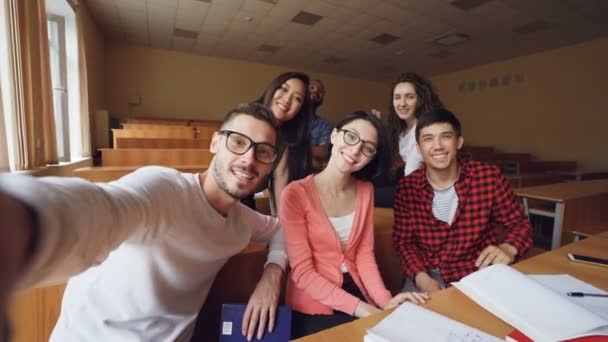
(503, 254)
(426, 283)
(262, 305)
(364, 309)
(414, 297)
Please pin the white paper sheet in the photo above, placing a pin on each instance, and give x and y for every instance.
(541, 314)
(410, 322)
(564, 283)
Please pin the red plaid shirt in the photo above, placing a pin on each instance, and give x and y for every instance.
(485, 200)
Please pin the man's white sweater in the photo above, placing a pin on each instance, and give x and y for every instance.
(154, 242)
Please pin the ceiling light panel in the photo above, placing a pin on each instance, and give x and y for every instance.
(306, 18)
(385, 38)
(468, 5)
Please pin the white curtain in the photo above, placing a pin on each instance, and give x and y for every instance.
(4, 163)
(85, 125)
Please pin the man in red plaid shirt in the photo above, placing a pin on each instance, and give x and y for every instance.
(446, 213)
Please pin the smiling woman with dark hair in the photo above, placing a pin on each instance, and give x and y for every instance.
(287, 97)
(327, 221)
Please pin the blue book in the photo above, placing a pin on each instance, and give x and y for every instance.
(232, 317)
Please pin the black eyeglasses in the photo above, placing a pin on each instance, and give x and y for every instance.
(352, 138)
(239, 143)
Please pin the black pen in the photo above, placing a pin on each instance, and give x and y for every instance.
(584, 294)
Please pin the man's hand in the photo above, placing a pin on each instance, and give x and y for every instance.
(262, 305)
(16, 231)
(414, 297)
(425, 283)
(503, 254)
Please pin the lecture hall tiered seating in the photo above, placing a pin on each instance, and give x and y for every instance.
(180, 144)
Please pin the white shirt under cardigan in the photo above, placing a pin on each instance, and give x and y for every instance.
(409, 152)
(343, 225)
(165, 243)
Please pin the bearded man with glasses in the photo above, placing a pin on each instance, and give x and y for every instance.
(144, 250)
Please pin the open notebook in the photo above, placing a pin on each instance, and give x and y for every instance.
(538, 311)
(413, 323)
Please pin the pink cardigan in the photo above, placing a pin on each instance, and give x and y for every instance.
(315, 255)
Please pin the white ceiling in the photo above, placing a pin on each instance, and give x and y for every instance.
(237, 29)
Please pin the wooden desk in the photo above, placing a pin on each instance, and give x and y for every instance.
(575, 204)
(581, 175)
(454, 304)
(532, 179)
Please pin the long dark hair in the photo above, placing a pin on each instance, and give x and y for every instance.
(380, 162)
(428, 100)
(295, 132)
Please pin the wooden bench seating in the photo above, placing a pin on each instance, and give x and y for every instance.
(161, 134)
(177, 122)
(515, 167)
(118, 133)
(487, 156)
(204, 128)
(532, 179)
(166, 157)
(161, 143)
(110, 173)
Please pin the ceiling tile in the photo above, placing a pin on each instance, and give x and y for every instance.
(188, 21)
(267, 27)
(163, 3)
(256, 7)
(281, 10)
(235, 28)
(349, 29)
(228, 4)
(343, 14)
(194, 6)
(319, 7)
(359, 5)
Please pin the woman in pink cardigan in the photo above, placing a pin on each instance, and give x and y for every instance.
(328, 224)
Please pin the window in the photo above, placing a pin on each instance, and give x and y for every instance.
(57, 56)
(63, 57)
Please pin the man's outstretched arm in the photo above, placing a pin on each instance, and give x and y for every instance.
(16, 229)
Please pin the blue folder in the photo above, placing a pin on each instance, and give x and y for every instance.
(232, 317)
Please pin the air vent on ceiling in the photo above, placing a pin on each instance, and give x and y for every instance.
(451, 39)
(207, 1)
(306, 18)
(384, 38)
(274, 2)
(468, 4)
(177, 32)
(532, 27)
(268, 48)
(334, 60)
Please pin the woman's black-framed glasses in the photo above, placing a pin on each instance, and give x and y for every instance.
(352, 138)
(239, 143)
